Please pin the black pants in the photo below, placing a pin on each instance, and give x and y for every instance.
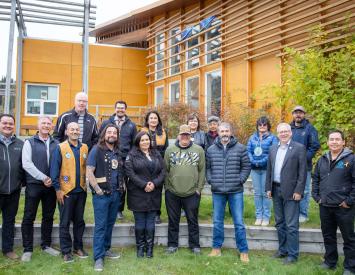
(190, 205)
(122, 201)
(36, 193)
(331, 218)
(8, 208)
(72, 210)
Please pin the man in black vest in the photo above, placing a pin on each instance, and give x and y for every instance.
(127, 133)
(11, 179)
(105, 173)
(36, 155)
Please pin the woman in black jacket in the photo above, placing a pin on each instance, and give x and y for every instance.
(146, 171)
(197, 136)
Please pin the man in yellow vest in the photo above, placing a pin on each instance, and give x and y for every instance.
(68, 178)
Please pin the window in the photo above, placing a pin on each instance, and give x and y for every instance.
(193, 51)
(213, 44)
(175, 38)
(159, 55)
(42, 99)
(213, 93)
(174, 96)
(192, 92)
(159, 95)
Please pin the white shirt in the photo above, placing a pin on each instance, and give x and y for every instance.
(280, 157)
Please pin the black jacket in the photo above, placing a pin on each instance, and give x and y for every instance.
(12, 175)
(140, 171)
(199, 138)
(90, 135)
(227, 170)
(127, 134)
(335, 183)
(209, 140)
(293, 171)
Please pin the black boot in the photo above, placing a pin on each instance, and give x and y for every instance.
(140, 242)
(149, 233)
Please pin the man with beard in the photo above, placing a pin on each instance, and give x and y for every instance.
(228, 167)
(105, 174)
(127, 133)
(67, 172)
(185, 166)
(303, 132)
(36, 156)
(11, 179)
(334, 191)
(80, 115)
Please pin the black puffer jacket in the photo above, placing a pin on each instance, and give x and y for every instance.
(127, 134)
(227, 170)
(12, 175)
(335, 183)
(140, 171)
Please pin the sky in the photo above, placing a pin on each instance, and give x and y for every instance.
(106, 10)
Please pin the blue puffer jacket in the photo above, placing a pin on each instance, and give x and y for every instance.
(307, 135)
(260, 162)
(227, 170)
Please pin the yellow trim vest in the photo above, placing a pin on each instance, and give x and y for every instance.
(160, 140)
(68, 171)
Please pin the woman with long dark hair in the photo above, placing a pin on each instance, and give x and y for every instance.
(146, 171)
(197, 136)
(258, 152)
(158, 138)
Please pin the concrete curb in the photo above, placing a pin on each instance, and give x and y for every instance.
(259, 238)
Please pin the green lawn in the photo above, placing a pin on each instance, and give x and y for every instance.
(183, 262)
(204, 216)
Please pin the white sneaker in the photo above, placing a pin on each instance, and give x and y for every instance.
(51, 251)
(26, 257)
(265, 223)
(258, 222)
(302, 219)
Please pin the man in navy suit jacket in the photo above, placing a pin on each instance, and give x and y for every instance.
(285, 183)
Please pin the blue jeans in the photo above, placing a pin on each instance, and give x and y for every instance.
(105, 212)
(144, 220)
(236, 205)
(304, 204)
(286, 223)
(262, 202)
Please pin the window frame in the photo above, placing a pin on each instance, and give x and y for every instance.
(206, 88)
(217, 37)
(41, 100)
(170, 96)
(157, 45)
(186, 94)
(171, 52)
(155, 95)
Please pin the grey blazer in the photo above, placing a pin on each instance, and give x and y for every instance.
(293, 171)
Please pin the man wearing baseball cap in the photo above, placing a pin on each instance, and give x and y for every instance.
(304, 132)
(185, 167)
(212, 123)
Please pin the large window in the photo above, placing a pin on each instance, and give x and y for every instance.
(175, 38)
(213, 45)
(192, 50)
(159, 95)
(42, 99)
(192, 92)
(159, 56)
(213, 93)
(174, 96)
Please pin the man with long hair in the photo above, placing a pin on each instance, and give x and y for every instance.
(105, 173)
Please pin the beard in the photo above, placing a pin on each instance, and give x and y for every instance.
(110, 141)
(225, 138)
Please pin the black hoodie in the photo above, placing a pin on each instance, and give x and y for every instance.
(334, 183)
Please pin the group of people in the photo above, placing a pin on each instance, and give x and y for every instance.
(117, 159)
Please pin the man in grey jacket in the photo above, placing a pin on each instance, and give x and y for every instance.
(228, 167)
(36, 155)
(285, 182)
(11, 179)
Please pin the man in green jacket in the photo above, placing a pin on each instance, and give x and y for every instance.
(185, 166)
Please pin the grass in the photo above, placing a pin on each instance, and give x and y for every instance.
(205, 212)
(183, 262)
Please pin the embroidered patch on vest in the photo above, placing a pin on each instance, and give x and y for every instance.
(67, 155)
(84, 156)
(66, 179)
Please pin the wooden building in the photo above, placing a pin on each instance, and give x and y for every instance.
(204, 52)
